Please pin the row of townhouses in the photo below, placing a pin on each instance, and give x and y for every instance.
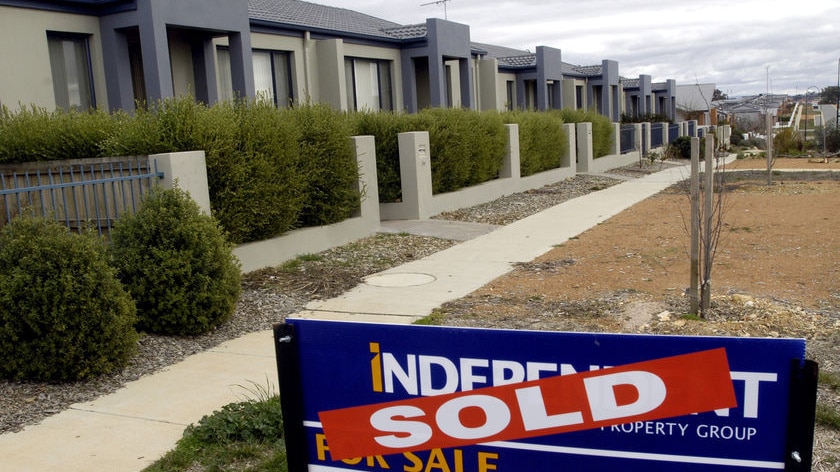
(110, 54)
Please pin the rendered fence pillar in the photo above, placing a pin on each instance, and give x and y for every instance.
(665, 134)
(683, 128)
(416, 174)
(692, 128)
(584, 147)
(511, 165)
(186, 170)
(616, 142)
(645, 138)
(570, 154)
(368, 186)
(725, 136)
(637, 136)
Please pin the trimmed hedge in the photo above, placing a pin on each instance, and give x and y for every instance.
(63, 313)
(466, 147)
(33, 134)
(176, 264)
(542, 140)
(602, 128)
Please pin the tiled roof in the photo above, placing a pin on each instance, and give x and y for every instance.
(498, 51)
(407, 32)
(590, 70)
(527, 60)
(312, 15)
(629, 83)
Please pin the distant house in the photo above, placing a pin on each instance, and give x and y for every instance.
(110, 54)
(748, 113)
(694, 102)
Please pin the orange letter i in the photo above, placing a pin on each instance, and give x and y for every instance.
(376, 367)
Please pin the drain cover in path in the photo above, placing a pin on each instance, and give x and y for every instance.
(399, 280)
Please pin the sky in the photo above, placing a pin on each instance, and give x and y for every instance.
(744, 47)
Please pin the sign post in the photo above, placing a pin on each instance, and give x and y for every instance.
(370, 397)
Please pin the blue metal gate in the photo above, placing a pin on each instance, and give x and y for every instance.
(79, 194)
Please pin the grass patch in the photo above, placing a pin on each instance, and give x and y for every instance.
(245, 436)
(828, 416)
(691, 317)
(829, 380)
(434, 318)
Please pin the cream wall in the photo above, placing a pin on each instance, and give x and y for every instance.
(488, 85)
(28, 80)
(501, 90)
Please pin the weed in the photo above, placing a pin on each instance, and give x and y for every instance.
(434, 318)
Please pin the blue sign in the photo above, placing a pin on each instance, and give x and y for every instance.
(332, 368)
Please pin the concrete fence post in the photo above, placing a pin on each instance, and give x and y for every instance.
(416, 174)
(186, 170)
(584, 147)
(637, 136)
(616, 141)
(570, 154)
(646, 136)
(368, 185)
(511, 165)
(665, 134)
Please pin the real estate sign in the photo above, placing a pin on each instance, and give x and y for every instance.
(366, 397)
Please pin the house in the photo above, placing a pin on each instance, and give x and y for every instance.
(694, 102)
(111, 54)
(748, 113)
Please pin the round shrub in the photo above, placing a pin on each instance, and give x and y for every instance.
(177, 265)
(63, 313)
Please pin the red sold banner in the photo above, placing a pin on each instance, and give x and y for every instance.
(644, 391)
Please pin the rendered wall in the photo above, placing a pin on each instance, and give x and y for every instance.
(29, 80)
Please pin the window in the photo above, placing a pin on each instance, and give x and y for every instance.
(71, 71)
(272, 76)
(510, 95)
(368, 84)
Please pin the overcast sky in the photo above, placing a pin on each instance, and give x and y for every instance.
(735, 44)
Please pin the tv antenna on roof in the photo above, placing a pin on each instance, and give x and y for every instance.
(438, 2)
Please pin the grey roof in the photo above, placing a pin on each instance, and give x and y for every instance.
(629, 83)
(590, 71)
(312, 15)
(498, 51)
(407, 32)
(527, 60)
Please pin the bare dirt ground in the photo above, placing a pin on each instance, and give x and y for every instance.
(776, 273)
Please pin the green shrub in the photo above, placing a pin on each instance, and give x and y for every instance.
(681, 147)
(328, 165)
(787, 141)
(385, 128)
(467, 147)
(602, 128)
(542, 141)
(256, 188)
(177, 264)
(63, 313)
(33, 134)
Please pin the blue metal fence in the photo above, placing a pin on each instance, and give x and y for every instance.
(673, 132)
(628, 138)
(656, 134)
(79, 195)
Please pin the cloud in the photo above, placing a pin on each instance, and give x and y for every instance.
(736, 45)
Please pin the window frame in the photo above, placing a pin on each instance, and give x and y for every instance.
(383, 71)
(78, 39)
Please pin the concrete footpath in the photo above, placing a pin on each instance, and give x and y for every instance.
(133, 427)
